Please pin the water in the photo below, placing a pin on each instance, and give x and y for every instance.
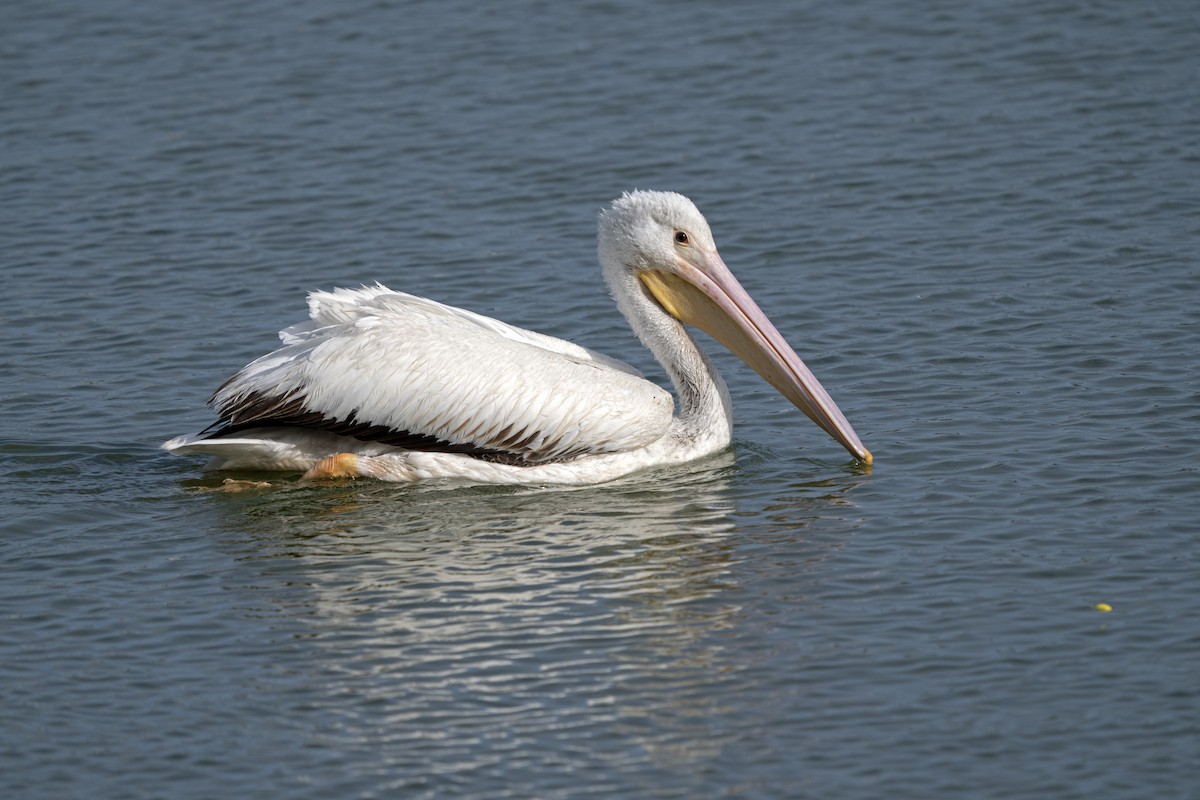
(977, 223)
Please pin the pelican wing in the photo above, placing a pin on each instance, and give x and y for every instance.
(346, 306)
(399, 369)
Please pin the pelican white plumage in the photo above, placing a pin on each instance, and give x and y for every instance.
(396, 387)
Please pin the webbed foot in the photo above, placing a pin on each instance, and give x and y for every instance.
(338, 465)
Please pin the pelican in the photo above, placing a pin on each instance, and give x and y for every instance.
(396, 387)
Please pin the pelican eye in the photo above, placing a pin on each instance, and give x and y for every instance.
(681, 237)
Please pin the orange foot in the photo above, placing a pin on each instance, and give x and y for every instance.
(338, 465)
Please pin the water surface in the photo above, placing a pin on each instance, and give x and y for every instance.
(976, 222)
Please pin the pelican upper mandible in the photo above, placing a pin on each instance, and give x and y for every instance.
(396, 387)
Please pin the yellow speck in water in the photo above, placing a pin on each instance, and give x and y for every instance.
(1102, 607)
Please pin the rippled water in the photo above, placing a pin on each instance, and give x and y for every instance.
(977, 222)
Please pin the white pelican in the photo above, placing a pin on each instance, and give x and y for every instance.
(391, 386)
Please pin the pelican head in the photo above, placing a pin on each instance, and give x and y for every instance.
(665, 242)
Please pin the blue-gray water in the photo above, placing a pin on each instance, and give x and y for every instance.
(978, 222)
